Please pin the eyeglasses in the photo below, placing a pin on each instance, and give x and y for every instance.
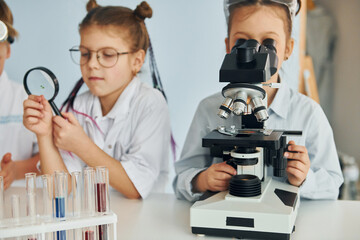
(107, 57)
(290, 4)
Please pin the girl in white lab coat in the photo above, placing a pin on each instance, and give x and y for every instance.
(120, 123)
(18, 149)
(313, 163)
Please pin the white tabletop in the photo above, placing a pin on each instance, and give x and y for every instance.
(162, 216)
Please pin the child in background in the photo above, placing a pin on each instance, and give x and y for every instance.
(313, 163)
(18, 148)
(120, 123)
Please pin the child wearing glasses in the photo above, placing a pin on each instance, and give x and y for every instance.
(18, 148)
(313, 163)
(120, 123)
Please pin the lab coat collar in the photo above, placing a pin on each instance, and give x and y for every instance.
(281, 102)
(3, 78)
(122, 105)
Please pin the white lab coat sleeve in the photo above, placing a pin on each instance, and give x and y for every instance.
(324, 177)
(150, 144)
(194, 158)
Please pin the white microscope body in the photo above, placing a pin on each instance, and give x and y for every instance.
(256, 206)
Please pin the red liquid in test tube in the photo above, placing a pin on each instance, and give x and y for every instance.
(101, 197)
(89, 235)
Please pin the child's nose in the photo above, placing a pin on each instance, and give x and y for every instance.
(93, 60)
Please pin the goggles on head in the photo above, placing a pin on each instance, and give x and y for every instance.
(290, 4)
(4, 33)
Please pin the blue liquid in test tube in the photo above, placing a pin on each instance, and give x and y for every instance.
(60, 197)
(60, 213)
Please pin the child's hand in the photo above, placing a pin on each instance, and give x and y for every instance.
(68, 133)
(215, 178)
(37, 115)
(298, 163)
(8, 170)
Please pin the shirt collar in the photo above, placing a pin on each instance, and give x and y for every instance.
(281, 102)
(3, 77)
(122, 104)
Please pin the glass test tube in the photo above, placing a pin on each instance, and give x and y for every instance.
(30, 179)
(15, 206)
(76, 199)
(61, 188)
(2, 197)
(102, 198)
(15, 210)
(89, 201)
(48, 194)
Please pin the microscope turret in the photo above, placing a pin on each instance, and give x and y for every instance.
(247, 66)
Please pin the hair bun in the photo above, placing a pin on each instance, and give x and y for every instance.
(143, 10)
(91, 5)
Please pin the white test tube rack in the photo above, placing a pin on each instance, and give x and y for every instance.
(24, 226)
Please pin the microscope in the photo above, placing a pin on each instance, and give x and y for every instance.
(256, 206)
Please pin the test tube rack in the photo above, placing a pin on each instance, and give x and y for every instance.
(25, 226)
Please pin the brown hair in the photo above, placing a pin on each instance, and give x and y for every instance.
(7, 17)
(132, 21)
(288, 25)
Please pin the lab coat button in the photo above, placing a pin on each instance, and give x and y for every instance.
(109, 146)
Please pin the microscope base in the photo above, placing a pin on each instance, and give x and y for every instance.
(268, 216)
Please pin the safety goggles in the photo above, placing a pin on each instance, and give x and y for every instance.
(290, 4)
(4, 33)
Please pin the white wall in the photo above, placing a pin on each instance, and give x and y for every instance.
(346, 117)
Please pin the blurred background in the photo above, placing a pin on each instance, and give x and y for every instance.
(188, 40)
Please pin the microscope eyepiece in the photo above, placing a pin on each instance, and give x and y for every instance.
(270, 44)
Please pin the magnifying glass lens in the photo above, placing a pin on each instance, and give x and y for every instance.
(40, 83)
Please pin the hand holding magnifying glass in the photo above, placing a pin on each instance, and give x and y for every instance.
(41, 81)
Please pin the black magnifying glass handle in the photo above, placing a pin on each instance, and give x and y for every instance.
(55, 109)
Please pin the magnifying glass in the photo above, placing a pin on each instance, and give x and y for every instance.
(3, 32)
(41, 81)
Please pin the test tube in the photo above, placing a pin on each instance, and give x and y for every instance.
(48, 194)
(30, 179)
(15, 210)
(76, 199)
(102, 198)
(61, 186)
(76, 192)
(89, 201)
(15, 206)
(2, 197)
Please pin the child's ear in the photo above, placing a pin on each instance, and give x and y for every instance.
(289, 48)
(139, 58)
(227, 45)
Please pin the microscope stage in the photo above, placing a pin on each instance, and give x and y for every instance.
(268, 216)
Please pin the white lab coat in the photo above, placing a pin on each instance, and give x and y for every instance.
(14, 137)
(289, 110)
(136, 132)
